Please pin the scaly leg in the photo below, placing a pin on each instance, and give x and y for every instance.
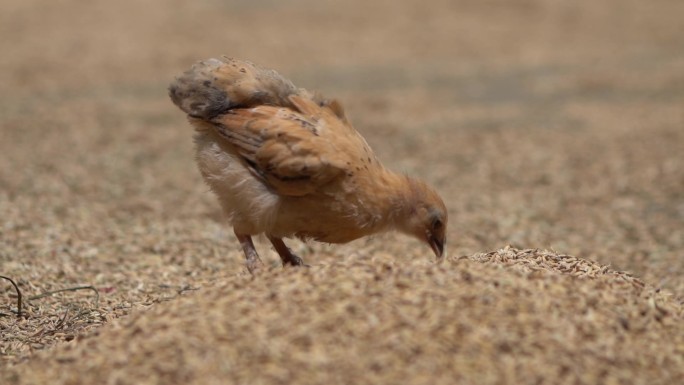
(286, 255)
(251, 255)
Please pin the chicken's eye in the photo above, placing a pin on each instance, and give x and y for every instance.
(437, 224)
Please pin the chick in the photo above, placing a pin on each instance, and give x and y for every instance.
(287, 163)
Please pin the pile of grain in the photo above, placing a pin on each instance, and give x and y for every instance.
(510, 316)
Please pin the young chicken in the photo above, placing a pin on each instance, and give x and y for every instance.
(287, 163)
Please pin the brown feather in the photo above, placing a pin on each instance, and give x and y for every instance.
(295, 152)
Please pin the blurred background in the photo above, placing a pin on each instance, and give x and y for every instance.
(544, 124)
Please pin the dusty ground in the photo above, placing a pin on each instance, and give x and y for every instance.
(546, 125)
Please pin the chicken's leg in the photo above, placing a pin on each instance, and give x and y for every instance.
(286, 255)
(251, 255)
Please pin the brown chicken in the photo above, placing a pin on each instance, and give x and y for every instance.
(286, 162)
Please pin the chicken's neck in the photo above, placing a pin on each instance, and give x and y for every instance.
(392, 200)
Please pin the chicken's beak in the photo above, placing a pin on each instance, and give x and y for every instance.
(437, 245)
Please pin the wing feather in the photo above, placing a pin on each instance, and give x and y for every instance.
(294, 152)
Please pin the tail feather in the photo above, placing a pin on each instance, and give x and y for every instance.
(213, 87)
